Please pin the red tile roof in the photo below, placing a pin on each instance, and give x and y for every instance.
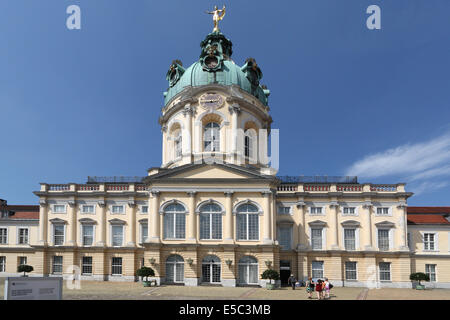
(24, 212)
(427, 219)
(429, 210)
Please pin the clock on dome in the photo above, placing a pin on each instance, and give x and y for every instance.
(211, 100)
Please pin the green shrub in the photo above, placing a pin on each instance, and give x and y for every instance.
(419, 276)
(145, 272)
(271, 275)
(24, 268)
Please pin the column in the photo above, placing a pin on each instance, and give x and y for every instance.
(229, 223)
(164, 142)
(72, 223)
(234, 110)
(154, 235)
(267, 236)
(403, 228)
(132, 224)
(187, 133)
(103, 223)
(43, 221)
(367, 227)
(192, 218)
(302, 242)
(334, 226)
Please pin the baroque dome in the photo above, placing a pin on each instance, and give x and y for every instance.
(216, 67)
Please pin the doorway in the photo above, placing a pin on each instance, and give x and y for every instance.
(285, 271)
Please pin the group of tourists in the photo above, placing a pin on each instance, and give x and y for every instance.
(321, 287)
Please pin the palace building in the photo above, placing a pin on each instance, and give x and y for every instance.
(215, 212)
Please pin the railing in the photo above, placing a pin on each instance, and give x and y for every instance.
(350, 187)
(115, 179)
(316, 188)
(383, 187)
(141, 187)
(287, 188)
(318, 179)
(58, 187)
(117, 187)
(88, 187)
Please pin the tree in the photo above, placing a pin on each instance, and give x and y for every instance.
(419, 276)
(145, 272)
(24, 268)
(271, 275)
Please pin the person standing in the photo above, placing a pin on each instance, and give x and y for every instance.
(319, 289)
(327, 288)
(310, 287)
(292, 281)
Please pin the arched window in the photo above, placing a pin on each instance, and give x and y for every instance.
(211, 137)
(211, 269)
(175, 269)
(178, 145)
(248, 270)
(174, 221)
(247, 222)
(210, 221)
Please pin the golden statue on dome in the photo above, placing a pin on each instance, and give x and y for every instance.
(217, 16)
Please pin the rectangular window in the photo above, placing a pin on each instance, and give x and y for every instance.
(350, 239)
(317, 269)
(58, 234)
(117, 209)
(284, 210)
(285, 238)
(57, 264)
(144, 232)
(86, 265)
(23, 235)
(349, 210)
(117, 236)
(350, 270)
(59, 208)
(316, 239)
(383, 239)
(385, 271)
(88, 235)
(87, 208)
(383, 211)
(22, 261)
(3, 235)
(429, 241)
(2, 264)
(144, 209)
(116, 266)
(430, 270)
(316, 210)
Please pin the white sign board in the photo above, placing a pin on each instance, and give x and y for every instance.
(33, 288)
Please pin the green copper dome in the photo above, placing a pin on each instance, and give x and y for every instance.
(215, 67)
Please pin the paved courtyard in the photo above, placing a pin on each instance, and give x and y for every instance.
(98, 290)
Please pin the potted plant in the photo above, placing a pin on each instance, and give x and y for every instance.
(271, 275)
(419, 276)
(24, 268)
(145, 272)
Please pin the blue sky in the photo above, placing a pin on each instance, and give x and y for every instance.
(347, 100)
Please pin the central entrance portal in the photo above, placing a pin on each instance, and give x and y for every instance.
(285, 271)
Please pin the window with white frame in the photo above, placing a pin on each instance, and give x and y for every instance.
(57, 265)
(430, 270)
(3, 235)
(86, 265)
(87, 208)
(144, 209)
(247, 145)
(22, 261)
(350, 239)
(2, 264)
(117, 209)
(429, 241)
(350, 270)
(315, 210)
(316, 238)
(284, 209)
(383, 239)
(144, 232)
(385, 271)
(174, 221)
(210, 222)
(350, 211)
(87, 231)
(317, 269)
(58, 234)
(116, 266)
(383, 211)
(285, 237)
(247, 222)
(59, 208)
(211, 137)
(22, 235)
(117, 235)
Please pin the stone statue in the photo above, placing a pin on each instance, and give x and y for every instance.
(217, 16)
